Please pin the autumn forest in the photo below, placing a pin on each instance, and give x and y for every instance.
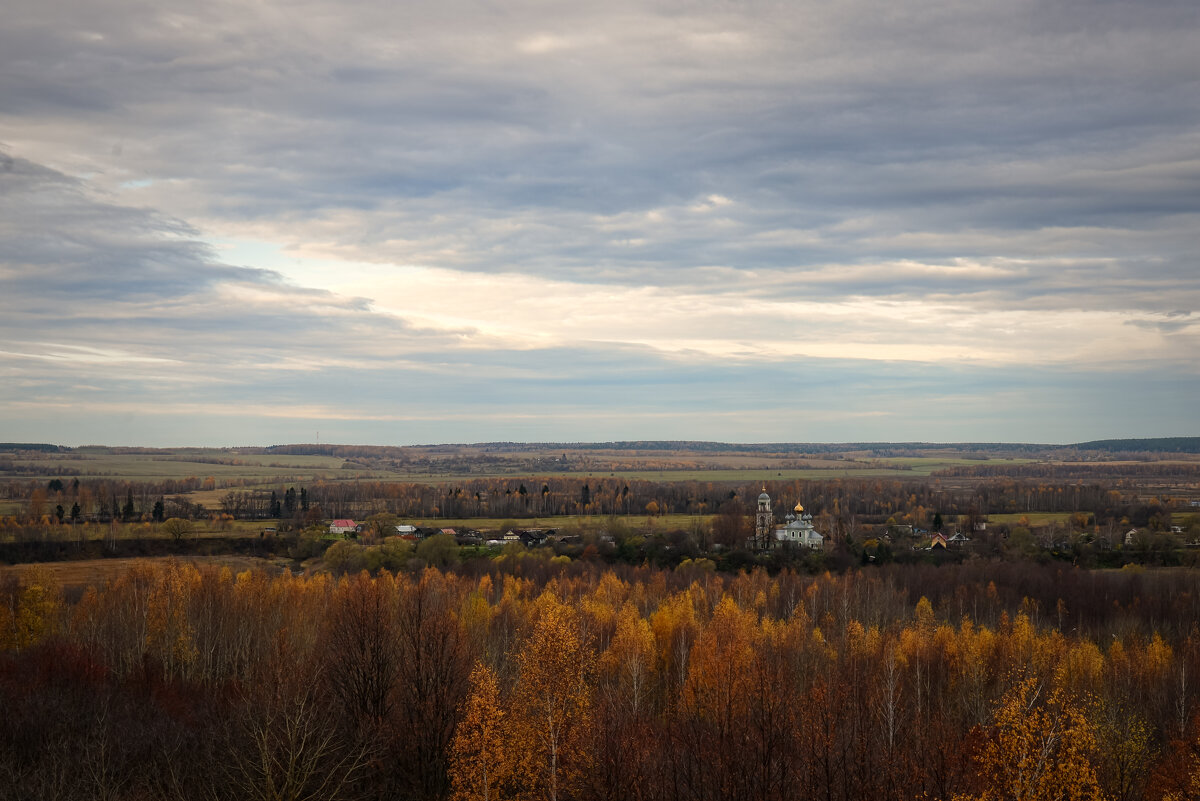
(522, 678)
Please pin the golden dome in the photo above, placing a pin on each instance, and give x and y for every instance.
(799, 508)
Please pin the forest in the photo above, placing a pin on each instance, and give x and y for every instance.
(522, 677)
(844, 499)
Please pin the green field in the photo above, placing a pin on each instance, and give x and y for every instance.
(565, 521)
(184, 463)
(893, 468)
(925, 465)
(98, 572)
(270, 469)
(201, 529)
(1035, 518)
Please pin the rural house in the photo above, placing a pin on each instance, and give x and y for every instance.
(343, 526)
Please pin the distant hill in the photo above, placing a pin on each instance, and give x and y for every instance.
(882, 449)
(1154, 445)
(29, 446)
(776, 447)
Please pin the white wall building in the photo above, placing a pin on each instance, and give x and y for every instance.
(797, 531)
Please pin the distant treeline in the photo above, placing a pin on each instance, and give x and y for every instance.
(1073, 471)
(662, 446)
(1154, 445)
(840, 503)
(879, 448)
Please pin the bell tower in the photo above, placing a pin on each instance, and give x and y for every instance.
(764, 521)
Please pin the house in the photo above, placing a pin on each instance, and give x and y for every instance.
(403, 530)
(938, 541)
(1129, 535)
(533, 537)
(958, 540)
(343, 526)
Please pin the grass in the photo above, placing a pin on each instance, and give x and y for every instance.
(272, 470)
(186, 463)
(97, 572)
(201, 529)
(565, 521)
(1035, 518)
(925, 465)
(715, 476)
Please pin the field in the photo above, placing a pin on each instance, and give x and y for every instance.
(184, 462)
(1034, 518)
(564, 522)
(250, 469)
(99, 572)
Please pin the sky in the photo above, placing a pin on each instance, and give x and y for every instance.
(366, 222)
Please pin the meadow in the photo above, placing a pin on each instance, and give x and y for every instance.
(181, 463)
(263, 469)
(564, 523)
(73, 576)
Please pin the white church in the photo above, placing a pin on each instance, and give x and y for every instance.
(797, 531)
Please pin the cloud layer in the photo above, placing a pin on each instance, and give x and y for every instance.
(475, 221)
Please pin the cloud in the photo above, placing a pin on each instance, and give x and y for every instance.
(421, 193)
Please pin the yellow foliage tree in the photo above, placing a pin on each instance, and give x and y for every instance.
(169, 635)
(629, 661)
(552, 711)
(33, 612)
(1042, 749)
(478, 765)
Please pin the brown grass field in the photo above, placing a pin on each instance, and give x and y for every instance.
(663, 522)
(98, 572)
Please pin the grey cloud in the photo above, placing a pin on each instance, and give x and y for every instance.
(630, 390)
(427, 129)
(1033, 156)
(57, 241)
(1171, 322)
(118, 296)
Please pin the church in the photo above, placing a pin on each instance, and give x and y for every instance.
(797, 531)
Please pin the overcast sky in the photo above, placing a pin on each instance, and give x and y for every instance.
(260, 222)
